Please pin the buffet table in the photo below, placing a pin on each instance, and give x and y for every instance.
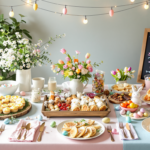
(54, 141)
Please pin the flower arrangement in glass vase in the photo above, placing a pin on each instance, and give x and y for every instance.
(123, 75)
(73, 69)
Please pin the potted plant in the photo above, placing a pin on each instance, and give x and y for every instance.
(121, 76)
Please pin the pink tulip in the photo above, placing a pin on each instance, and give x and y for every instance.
(90, 69)
(67, 59)
(80, 67)
(113, 72)
(38, 50)
(73, 68)
(87, 55)
(65, 66)
(52, 67)
(77, 52)
(63, 51)
(88, 61)
(58, 69)
(62, 72)
(129, 69)
(60, 62)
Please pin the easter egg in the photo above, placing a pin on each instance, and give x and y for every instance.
(106, 120)
(131, 115)
(140, 113)
(128, 113)
(135, 115)
(7, 121)
(145, 114)
(114, 131)
(40, 118)
(117, 108)
(132, 105)
(142, 110)
(128, 119)
(65, 133)
(53, 124)
(22, 93)
(122, 112)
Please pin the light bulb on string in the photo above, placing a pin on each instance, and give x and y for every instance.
(11, 13)
(35, 5)
(29, 1)
(64, 11)
(111, 12)
(132, 1)
(146, 6)
(85, 21)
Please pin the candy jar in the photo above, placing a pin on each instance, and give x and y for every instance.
(98, 82)
(36, 95)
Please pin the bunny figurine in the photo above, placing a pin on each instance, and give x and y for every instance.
(136, 95)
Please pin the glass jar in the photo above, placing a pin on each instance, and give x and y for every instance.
(52, 84)
(147, 81)
(98, 82)
(36, 95)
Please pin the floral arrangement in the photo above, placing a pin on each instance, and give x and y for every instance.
(21, 54)
(122, 75)
(73, 69)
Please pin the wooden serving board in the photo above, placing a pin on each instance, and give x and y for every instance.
(75, 113)
(19, 114)
(114, 101)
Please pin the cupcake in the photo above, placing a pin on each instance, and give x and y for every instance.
(5, 101)
(11, 104)
(22, 101)
(4, 105)
(1, 103)
(1, 110)
(6, 110)
(14, 109)
(19, 105)
(1, 97)
(12, 100)
(8, 96)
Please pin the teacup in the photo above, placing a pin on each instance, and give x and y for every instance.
(38, 82)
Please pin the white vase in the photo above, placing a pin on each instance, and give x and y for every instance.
(121, 82)
(76, 86)
(23, 78)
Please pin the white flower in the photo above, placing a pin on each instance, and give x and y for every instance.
(21, 67)
(45, 48)
(133, 71)
(4, 70)
(1, 50)
(27, 55)
(84, 71)
(2, 30)
(25, 41)
(119, 75)
(78, 76)
(28, 60)
(5, 43)
(18, 35)
(24, 65)
(128, 73)
(13, 57)
(28, 65)
(15, 63)
(132, 76)
(14, 42)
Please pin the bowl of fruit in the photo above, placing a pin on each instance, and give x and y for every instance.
(129, 106)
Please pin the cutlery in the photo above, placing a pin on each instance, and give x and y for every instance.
(41, 131)
(19, 136)
(27, 127)
(122, 127)
(2, 128)
(128, 128)
(109, 130)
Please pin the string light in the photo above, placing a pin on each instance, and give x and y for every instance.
(85, 21)
(64, 10)
(111, 12)
(146, 6)
(132, 1)
(11, 13)
(29, 1)
(35, 6)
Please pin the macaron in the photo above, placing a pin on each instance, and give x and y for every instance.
(140, 113)
(142, 110)
(122, 112)
(135, 115)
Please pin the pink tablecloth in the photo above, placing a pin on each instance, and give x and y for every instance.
(54, 141)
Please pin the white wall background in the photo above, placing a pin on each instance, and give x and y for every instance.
(116, 40)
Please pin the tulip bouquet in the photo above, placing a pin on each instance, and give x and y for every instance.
(123, 75)
(73, 69)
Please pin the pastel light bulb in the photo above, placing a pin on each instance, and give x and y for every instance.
(85, 21)
(111, 12)
(132, 1)
(64, 10)
(146, 6)
(11, 13)
(29, 1)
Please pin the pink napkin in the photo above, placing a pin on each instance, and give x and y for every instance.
(30, 133)
(127, 132)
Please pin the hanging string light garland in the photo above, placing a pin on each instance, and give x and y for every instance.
(11, 13)
(146, 6)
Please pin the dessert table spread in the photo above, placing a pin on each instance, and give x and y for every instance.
(51, 139)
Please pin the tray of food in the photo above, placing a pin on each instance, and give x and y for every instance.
(119, 98)
(13, 106)
(65, 104)
(123, 88)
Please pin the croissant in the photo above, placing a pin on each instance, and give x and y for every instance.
(93, 108)
(85, 107)
(75, 107)
(101, 106)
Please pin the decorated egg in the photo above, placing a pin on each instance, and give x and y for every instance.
(40, 117)
(128, 119)
(7, 121)
(65, 133)
(22, 93)
(140, 113)
(122, 112)
(145, 114)
(142, 110)
(131, 115)
(117, 108)
(53, 124)
(106, 120)
(128, 113)
(135, 115)
(114, 131)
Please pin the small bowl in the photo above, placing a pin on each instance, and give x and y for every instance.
(8, 90)
(130, 109)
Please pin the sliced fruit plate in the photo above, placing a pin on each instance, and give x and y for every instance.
(80, 129)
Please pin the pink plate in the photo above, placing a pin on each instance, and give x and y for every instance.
(130, 109)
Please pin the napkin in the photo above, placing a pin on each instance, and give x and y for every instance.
(127, 132)
(30, 133)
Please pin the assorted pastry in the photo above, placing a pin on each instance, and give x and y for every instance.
(120, 97)
(11, 104)
(80, 129)
(125, 87)
(79, 102)
(147, 96)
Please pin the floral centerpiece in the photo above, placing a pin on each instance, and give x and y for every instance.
(73, 69)
(123, 75)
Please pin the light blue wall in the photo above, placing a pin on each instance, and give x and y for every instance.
(116, 40)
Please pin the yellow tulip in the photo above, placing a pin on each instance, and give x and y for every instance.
(78, 71)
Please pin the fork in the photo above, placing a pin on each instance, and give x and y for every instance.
(22, 127)
(109, 130)
(2, 128)
(122, 127)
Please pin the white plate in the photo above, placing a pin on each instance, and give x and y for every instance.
(120, 92)
(141, 118)
(146, 124)
(60, 126)
(142, 98)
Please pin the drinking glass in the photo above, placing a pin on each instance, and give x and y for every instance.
(52, 84)
(147, 81)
